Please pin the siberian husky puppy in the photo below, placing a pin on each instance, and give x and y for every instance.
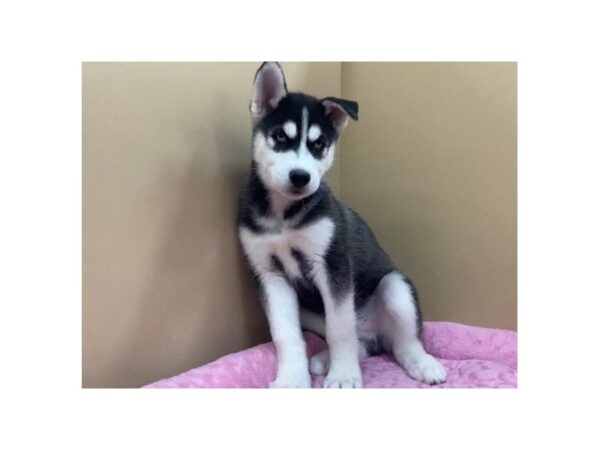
(318, 265)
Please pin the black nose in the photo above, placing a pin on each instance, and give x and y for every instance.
(299, 177)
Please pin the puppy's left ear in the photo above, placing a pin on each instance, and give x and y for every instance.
(339, 111)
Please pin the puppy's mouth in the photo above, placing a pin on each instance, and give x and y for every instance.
(297, 193)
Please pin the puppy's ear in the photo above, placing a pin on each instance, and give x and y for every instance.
(269, 89)
(338, 111)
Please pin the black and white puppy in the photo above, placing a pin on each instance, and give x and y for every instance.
(318, 264)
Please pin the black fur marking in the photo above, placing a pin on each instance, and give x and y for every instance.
(374, 346)
(254, 201)
(294, 209)
(304, 205)
(307, 206)
(355, 251)
(277, 265)
(304, 265)
(339, 269)
(285, 144)
(318, 147)
(262, 295)
(309, 296)
(319, 208)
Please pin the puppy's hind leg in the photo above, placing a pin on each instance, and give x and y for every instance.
(402, 329)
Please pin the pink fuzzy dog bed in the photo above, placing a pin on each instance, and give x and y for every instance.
(473, 357)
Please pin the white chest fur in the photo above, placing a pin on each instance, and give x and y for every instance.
(312, 241)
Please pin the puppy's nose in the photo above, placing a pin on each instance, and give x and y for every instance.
(299, 177)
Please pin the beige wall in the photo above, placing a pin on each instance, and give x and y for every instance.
(431, 164)
(165, 148)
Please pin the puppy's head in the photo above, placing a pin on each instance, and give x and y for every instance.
(294, 135)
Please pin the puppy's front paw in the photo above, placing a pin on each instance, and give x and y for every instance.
(425, 368)
(292, 380)
(348, 378)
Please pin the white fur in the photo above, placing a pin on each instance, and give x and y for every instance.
(290, 129)
(304, 126)
(319, 363)
(314, 132)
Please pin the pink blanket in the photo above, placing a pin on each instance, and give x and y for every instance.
(473, 357)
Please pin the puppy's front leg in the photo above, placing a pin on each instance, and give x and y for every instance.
(341, 336)
(281, 305)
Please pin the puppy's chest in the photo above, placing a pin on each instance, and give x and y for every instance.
(297, 252)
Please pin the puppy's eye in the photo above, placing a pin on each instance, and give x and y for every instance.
(320, 144)
(279, 135)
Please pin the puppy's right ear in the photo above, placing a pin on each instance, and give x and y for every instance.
(269, 89)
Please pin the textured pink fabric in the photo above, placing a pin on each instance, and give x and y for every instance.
(473, 357)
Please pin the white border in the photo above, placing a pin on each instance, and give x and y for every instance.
(44, 44)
